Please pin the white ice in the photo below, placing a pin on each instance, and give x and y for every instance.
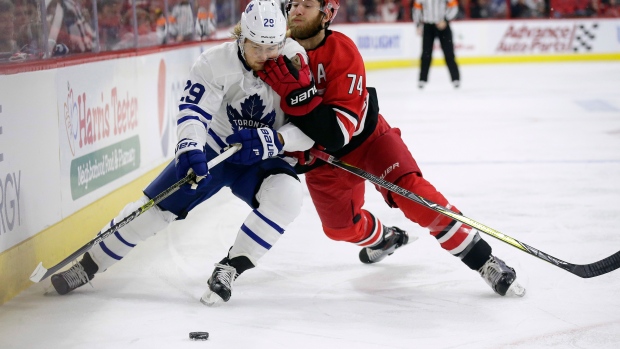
(532, 150)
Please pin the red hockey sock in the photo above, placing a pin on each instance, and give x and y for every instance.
(366, 231)
(459, 239)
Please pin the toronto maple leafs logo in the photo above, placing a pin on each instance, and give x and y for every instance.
(252, 114)
(249, 8)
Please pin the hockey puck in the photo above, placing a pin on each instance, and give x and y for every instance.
(199, 336)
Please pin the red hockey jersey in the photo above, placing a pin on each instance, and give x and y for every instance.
(349, 111)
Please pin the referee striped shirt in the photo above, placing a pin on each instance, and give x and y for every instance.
(434, 11)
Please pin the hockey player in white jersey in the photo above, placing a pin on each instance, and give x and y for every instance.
(224, 103)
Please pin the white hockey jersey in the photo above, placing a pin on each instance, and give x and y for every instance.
(223, 96)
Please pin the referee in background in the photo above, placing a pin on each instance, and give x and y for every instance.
(432, 20)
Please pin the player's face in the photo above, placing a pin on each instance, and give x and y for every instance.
(257, 54)
(304, 18)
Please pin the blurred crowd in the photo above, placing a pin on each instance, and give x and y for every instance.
(77, 26)
(400, 10)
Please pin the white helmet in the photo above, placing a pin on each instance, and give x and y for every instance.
(263, 22)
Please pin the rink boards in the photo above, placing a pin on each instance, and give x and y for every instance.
(77, 142)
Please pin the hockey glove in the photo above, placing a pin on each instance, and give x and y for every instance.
(304, 158)
(296, 87)
(190, 157)
(256, 144)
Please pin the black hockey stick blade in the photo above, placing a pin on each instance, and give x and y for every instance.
(40, 272)
(601, 267)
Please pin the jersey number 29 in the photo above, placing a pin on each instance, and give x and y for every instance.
(194, 91)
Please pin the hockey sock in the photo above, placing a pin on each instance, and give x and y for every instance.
(365, 231)
(459, 239)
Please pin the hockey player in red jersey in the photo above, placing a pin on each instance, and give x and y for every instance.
(341, 115)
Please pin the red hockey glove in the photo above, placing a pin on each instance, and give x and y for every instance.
(299, 95)
(304, 158)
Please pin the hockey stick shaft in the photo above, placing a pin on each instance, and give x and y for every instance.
(601, 267)
(41, 272)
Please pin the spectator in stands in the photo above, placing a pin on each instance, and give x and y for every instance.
(536, 8)
(498, 8)
(109, 20)
(224, 10)
(7, 45)
(520, 9)
(355, 11)
(147, 36)
(23, 11)
(205, 19)
(540, 9)
(183, 27)
(389, 11)
(371, 8)
(592, 9)
(156, 9)
(28, 28)
(163, 20)
(611, 9)
(146, 29)
(480, 9)
(68, 26)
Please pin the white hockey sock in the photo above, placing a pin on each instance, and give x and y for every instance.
(280, 198)
(117, 245)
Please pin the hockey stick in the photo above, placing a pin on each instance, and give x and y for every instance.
(601, 267)
(41, 272)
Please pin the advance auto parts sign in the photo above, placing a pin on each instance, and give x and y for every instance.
(548, 37)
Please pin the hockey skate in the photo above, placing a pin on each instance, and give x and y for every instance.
(220, 285)
(78, 275)
(221, 280)
(501, 278)
(393, 238)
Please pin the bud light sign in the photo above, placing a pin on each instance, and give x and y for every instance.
(382, 42)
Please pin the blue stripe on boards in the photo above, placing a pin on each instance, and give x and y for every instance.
(255, 237)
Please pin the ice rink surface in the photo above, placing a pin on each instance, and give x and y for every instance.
(532, 150)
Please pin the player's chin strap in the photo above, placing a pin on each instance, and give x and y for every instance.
(41, 272)
(601, 267)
